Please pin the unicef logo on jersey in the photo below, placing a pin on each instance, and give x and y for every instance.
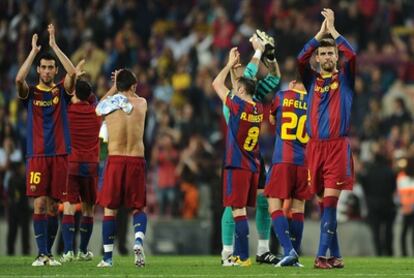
(46, 103)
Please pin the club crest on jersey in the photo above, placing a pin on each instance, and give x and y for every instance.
(33, 188)
(326, 88)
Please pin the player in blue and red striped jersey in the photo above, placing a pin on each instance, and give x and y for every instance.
(83, 169)
(330, 93)
(48, 140)
(241, 166)
(288, 177)
(263, 45)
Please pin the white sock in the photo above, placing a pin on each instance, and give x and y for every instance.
(262, 246)
(226, 251)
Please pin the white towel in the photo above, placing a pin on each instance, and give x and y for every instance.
(103, 132)
(112, 103)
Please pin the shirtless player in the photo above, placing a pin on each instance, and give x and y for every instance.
(124, 174)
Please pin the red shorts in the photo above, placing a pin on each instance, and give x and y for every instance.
(330, 164)
(47, 176)
(285, 181)
(239, 187)
(123, 183)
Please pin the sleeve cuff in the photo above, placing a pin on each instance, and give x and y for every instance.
(339, 39)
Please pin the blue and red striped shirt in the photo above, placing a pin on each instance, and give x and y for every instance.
(47, 121)
(329, 96)
(242, 142)
(289, 109)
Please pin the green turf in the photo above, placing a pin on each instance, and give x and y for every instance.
(201, 266)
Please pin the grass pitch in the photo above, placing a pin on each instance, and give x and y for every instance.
(206, 266)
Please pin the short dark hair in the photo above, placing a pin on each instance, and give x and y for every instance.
(249, 85)
(125, 79)
(298, 76)
(46, 56)
(83, 89)
(327, 41)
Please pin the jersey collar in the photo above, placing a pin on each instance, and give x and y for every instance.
(45, 88)
(299, 91)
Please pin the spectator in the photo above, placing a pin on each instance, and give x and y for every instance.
(405, 184)
(379, 184)
(164, 161)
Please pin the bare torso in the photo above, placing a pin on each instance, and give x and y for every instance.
(126, 131)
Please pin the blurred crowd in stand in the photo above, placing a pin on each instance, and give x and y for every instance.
(175, 48)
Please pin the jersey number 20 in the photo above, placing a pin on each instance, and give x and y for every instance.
(294, 122)
(251, 139)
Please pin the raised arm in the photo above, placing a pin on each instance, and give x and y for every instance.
(343, 45)
(219, 82)
(273, 109)
(234, 76)
(70, 77)
(113, 89)
(253, 66)
(22, 87)
(270, 82)
(305, 55)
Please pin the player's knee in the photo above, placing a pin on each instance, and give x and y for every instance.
(53, 209)
(40, 205)
(298, 206)
(239, 211)
(69, 209)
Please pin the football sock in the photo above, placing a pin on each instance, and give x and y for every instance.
(263, 224)
(296, 230)
(328, 224)
(227, 227)
(140, 226)
(242, 236)
(68, 232)
(236, 251)
(52, 228)
(85, 229)
(40, 232)
(281, 228)
(334, 247)
(108, 236)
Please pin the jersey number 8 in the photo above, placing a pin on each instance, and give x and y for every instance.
(252, 138)
(294, 122)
